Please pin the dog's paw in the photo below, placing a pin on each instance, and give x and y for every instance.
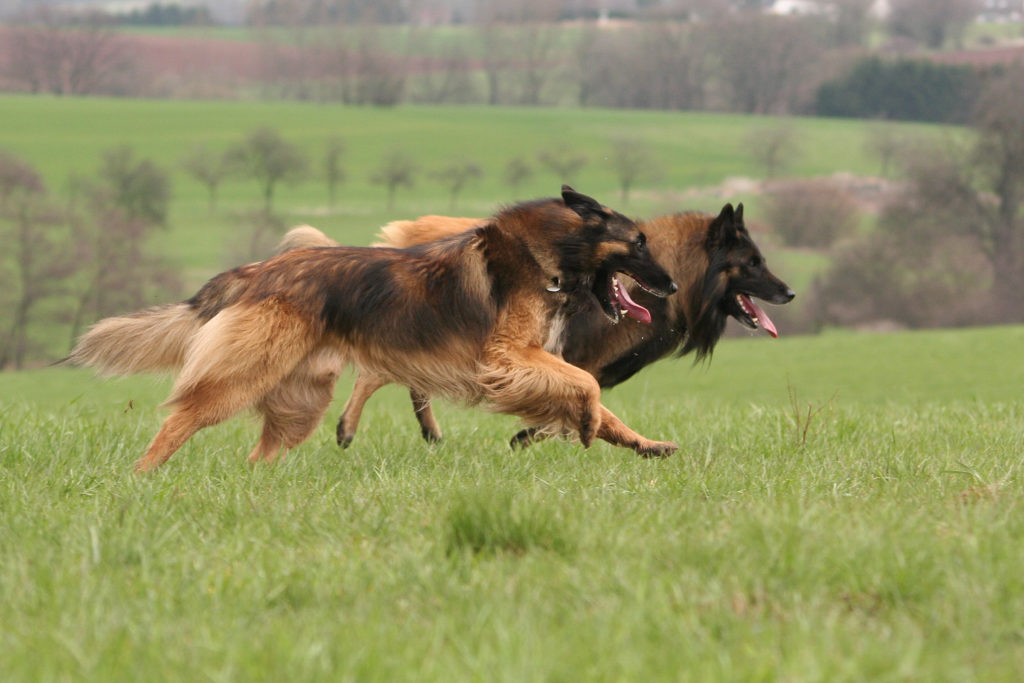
(656, 449)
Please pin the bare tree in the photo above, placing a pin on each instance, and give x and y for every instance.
(932, 22)
(955, 234)
(447, 72)
(773, 147)
(884, 141)
(764, 61)
(565, 163)
(37, 253)
(999, 155)
(112, 219)
(536, 43)
(632, 161)
(517, 172)
(455, 176)
(495, 47)
(334, 173)
(45, 55)
(269, 159)
(209, 168)
(852, 22)
(397, 170)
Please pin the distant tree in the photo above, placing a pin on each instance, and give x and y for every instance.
(37, 255)
(765, 62)
(811, 214)
(517, 172)
(139, 187)
(901, 89)
(112, 219)
(884, 142)
(932, 22)
(563, 162)
(631, 161)
(262, 232)
(448, 76)
(209, 168)
(649, 66)
(269, 159)
(334, 173)
(46, 54)
(773, 147)
(851, 23)
(455, 176)
(950, 248)
(536, 43)
(396, 170)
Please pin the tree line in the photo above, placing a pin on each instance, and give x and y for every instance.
(694, 56)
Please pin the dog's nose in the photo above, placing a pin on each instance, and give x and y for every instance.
(789, 294)
(673, 287)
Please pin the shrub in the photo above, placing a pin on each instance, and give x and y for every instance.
(903, 89)
(806, 214)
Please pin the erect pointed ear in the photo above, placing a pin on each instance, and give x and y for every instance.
(738, 216)
(723, 228)
(580, 203)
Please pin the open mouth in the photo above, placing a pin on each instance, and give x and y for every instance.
(617, 303)
(753, 316)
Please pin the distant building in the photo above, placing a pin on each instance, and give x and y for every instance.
(1001, 11)
(796, 7)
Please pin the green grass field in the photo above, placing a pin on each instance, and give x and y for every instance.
(65, 136)
(877, 539)
(842, 507)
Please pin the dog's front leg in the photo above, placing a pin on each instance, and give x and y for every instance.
(544, 390)
(614, 431)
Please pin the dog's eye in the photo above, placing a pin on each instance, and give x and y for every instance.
(641, 242)
(754, 262)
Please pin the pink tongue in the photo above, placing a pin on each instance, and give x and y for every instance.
(762, 318)
(633, 309)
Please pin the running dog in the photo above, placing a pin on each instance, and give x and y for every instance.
(719, 269)
(473, 317)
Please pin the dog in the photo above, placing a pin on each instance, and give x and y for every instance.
(714, 260)
(469, 317)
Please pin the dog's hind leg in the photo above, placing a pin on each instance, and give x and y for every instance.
(429, 427)
(527, 437)
(234, 360)
(365, 386)
(293, 409)
(614, 431)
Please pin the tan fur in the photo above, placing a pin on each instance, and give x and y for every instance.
(303, 237)
(403, 234)
(151, 340)
(267, 344)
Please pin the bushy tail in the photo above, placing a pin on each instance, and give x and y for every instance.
(303, 237)
(424, 229)
(152, 339)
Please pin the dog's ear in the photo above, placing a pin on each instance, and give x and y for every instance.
(723, 229)
(738, 216)
(580, 203)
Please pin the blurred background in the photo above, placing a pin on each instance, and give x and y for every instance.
(878, 146)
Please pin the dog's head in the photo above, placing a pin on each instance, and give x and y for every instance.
(608, 245)
(738, 274)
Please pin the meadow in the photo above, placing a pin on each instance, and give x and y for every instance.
(842, 507)
(63, 137)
